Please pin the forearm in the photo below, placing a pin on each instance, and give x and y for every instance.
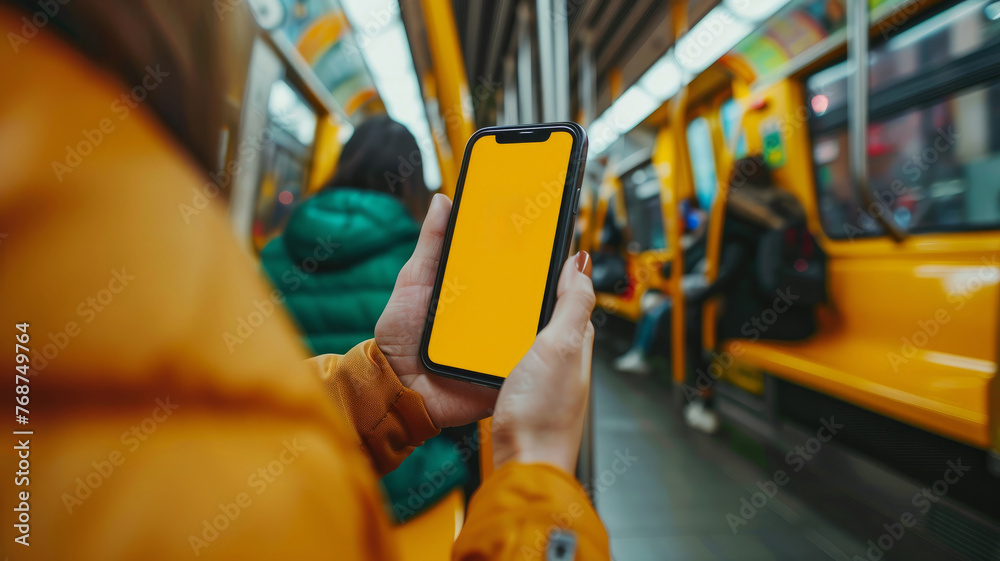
(389, 419)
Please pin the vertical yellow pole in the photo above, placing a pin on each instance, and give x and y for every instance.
(676, 131)
(681, 175)
(446, 159)
(667, 171)
(452, 86)
(327, 153)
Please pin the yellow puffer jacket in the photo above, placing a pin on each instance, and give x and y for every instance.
(154, 436)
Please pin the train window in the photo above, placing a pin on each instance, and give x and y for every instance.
(286, 155)
(731, 115)
(920, 50)
(290, 113)
(934, 43)
(699, 139)
(645, 215)
(934, 132)
(933, 168)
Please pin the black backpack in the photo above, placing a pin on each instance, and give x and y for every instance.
(790, 259)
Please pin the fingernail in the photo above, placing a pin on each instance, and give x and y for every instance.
(437, 200)
(582, 259)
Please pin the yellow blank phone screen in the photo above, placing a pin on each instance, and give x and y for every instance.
(494, 280)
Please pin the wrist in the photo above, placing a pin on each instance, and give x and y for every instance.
(535, 449)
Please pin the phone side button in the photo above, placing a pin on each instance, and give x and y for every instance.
(576, 201)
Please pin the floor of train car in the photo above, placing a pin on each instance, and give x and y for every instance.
(664, 492)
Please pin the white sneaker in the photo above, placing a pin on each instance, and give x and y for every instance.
(701, 418)
(632, 362)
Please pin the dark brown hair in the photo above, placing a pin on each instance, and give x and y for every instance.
(751, 171)
(187, 40)
(383, 156)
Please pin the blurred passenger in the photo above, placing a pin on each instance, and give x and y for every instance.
(171, 428)
(755, 207)
(655, 305)
(337, 261)
(341, 250)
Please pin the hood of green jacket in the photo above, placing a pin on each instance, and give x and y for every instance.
(341, 227)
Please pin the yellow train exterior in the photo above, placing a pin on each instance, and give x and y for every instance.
(910, 327)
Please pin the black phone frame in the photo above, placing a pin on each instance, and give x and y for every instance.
(560, 244)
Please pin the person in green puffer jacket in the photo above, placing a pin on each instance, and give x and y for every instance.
(336, 264)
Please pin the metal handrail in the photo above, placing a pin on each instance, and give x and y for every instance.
(857, 125)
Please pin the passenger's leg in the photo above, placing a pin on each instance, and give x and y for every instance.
(700, 412)
(659, 318)
(634, 360)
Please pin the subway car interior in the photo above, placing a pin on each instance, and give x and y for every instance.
(792, 208)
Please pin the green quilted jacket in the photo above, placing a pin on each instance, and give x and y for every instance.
(337, 261)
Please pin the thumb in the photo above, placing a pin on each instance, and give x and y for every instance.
(575, 298)
(423, 264)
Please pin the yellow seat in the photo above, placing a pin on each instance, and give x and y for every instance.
(947, 395)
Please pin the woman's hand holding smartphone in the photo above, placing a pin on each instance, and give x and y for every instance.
(539, 412)
(489, 297)
(508, 236)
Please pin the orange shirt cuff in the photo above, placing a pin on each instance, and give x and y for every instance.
(390, 420)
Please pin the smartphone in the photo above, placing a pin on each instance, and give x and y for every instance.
(509, 233)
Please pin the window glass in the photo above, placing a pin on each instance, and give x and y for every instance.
(933, 168)
(288, 111)
(284, 160)
(645, 215)
(929, 45)
(934, 43)
(731, 114)
(699, 139)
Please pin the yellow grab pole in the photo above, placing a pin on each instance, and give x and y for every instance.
(675, 131)
(452, 86)
(445, 157)
(681, 176)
